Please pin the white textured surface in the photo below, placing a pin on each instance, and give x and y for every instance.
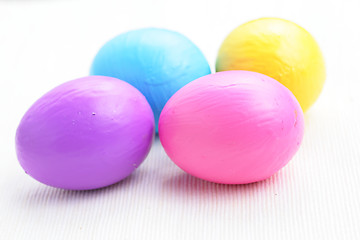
(316, 196)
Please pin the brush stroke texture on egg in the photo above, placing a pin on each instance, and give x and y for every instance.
(232, 127)
(158, 62)
(85, 134)
(279, 49)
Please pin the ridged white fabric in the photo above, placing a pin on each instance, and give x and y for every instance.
(316, 196)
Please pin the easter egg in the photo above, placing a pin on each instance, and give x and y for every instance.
(280, 49)
(158, 62)
(232, 127)
(85, 134)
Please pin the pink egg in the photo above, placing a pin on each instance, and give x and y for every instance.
(232, 127)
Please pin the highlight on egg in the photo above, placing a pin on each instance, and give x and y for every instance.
(280, 49)
(85, 134)
(158, 62)
(232, 127)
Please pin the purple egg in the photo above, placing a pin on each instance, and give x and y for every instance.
(85, 134)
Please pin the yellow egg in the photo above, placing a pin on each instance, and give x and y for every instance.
(280, 49)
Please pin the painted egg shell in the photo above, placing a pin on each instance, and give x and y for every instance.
(85, 134)
(232, 127)
(158, 62)
(280, 49)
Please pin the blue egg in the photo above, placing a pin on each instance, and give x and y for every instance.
(158, 62)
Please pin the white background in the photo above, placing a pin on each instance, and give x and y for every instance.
(316, 196)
